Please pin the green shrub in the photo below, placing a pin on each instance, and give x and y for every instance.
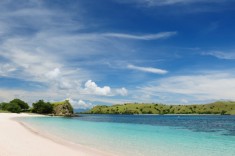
(223, 112)
(4, 105)
(42, 107)
(11, 107)
(14, 106)
(23, 105)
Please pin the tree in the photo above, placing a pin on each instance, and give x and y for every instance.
(42, 107)
(223, 112)
(23, 105)
(4, 105)
(11, 107)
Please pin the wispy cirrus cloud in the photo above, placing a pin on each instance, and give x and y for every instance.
(6, 69)
(178, 7)
(221, 54)
(172, 2)
(64, 50)
(180, 2)
(147, 69)
(44, 52)
(193, 88)
(161, 35)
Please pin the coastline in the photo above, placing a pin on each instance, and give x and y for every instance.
(20, 139)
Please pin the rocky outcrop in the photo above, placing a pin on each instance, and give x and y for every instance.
(62, 108)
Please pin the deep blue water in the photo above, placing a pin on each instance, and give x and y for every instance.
(197, 123)
(145, 135)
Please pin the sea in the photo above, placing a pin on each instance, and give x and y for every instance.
(145, 135)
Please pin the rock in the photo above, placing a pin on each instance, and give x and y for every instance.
(63, 108)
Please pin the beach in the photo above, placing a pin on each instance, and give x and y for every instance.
(18, 140)
(106, 135)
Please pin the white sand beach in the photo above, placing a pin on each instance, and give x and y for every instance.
(17, 140)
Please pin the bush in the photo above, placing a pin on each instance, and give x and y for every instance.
(23, 105)
(11, 107)
(42, 107)
(4, 105)
(223, 112)
(15, 106)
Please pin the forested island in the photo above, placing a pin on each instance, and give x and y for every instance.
(220, 107)
(63, 108)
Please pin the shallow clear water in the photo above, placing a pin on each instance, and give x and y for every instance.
(148, 135)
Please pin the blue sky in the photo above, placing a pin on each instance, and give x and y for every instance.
(116, 51)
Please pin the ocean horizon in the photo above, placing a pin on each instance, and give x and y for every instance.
(151, 135)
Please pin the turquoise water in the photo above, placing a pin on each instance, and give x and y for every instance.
(145, 135)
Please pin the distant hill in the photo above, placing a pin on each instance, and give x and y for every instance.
(79, 110)
(220, 107)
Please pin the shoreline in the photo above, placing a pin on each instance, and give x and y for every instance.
(18, 138)
(164, 114)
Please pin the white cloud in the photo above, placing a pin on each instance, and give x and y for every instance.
(53, 95)
(193, 88)
(66, 84)
(221, 54)
(41, 65)
(161, 35)
(151, 3)
(80, 104)
(122, 91)
(53, 74)
(185, 101)
(182, 6)
(92, 88)
(83, 104)
(173, 2)
(6, 69)
(147, 69)
(45, 51)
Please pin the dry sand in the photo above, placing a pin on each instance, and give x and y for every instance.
(18, 140)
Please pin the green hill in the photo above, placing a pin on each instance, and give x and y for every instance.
(220, 107)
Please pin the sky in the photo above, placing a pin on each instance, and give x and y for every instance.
(97, 52)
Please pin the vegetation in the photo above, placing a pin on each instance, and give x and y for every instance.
(23, 105)
(11, 107)
(14, 106)
(42, 107)
(63, 108)
(220, 107)
(3, 111)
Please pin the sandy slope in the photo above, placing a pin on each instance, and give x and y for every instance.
(16, 140)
